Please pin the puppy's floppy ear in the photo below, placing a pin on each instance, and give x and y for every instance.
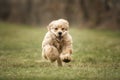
(50, 25)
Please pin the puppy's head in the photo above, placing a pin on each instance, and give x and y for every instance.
(59, 27)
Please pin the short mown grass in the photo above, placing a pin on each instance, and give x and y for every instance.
(96, 55)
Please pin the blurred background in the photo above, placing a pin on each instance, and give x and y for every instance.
(90, 13)
(94, 27)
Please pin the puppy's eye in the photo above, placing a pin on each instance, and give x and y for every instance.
(63, 28)
(56, 28)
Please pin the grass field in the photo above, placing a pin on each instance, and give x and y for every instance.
(96, 55)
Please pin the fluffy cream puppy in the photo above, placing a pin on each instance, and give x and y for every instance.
(57, 43)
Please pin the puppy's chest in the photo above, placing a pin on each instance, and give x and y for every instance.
(58, 44)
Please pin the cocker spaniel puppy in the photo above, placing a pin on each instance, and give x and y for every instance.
(57, 43)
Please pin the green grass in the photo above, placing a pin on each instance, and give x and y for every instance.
(96, 55)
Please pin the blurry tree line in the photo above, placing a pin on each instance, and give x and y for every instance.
(40, 12)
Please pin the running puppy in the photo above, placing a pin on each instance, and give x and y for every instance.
(57, 43)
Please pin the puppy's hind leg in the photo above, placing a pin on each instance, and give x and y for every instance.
(50, 53)
(59, 62)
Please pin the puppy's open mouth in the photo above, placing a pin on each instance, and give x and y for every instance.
(60, 37)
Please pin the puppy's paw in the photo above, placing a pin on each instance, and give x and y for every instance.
(65, 58)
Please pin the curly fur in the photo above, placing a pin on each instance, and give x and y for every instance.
(57, 43)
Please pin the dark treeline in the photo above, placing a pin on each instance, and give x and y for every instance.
(39, 12)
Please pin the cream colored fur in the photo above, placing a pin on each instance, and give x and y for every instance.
(55, 46)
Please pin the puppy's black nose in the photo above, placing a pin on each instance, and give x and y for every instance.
(60, 33)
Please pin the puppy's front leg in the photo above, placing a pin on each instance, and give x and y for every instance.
(66, 55)
(66, 52)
